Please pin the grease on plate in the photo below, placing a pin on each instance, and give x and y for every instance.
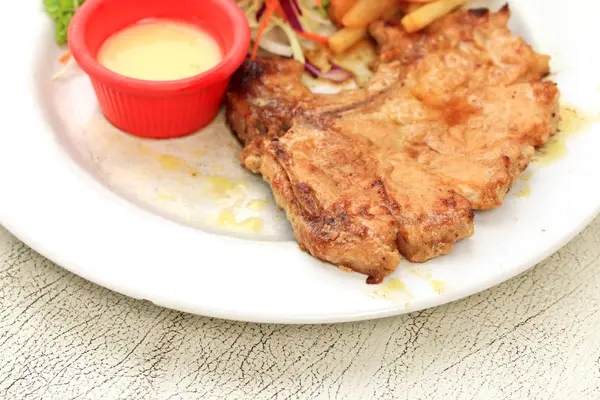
(525, 189)
(552, 151)
(439, 287)
(572, 121)
(221, 187)
(176, 178)
(227, 220)
(526, 176)
(172, 163)
(421, 272)
(165, 197)
(257, 205)
(393, 289)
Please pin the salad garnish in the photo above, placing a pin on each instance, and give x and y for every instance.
(61, 12)
(290, 28)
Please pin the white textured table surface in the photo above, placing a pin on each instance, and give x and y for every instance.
(536, 336)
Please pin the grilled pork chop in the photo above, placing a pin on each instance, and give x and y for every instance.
(450, 118)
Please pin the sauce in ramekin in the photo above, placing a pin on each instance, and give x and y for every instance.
(160, 50)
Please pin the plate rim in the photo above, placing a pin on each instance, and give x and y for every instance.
(24, 230)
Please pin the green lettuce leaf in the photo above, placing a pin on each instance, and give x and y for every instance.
(61, 12)
(323, 9)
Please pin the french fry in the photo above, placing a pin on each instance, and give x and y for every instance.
(338, 8)
(406, 7)
(412, 7)
(428, 13)
(366, 11)
(345, 38)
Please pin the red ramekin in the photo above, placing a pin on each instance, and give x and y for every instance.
(159, 109)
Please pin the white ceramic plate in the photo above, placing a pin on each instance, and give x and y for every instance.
(140, 217)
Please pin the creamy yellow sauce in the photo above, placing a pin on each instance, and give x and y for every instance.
(160, 50)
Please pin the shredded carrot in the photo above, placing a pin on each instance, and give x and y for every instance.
(319, 3)
(65, 57)
(279, 11)
(306, 35)
(271, 6)
(314, 37)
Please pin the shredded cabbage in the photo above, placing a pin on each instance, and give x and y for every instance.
(273, 45)
(297, 51)
(66, 70)
(290, 44)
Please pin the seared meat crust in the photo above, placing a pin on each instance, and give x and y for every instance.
(449, 120)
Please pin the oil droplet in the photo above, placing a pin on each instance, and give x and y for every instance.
(524, 192)
(257, 205)
(393, 289)
(420, 273)
(143, 148)
(217, 168)
(165, 197)
(222, 187)
(526, 176)
(573, 121)
(552, 151)
(172, 163)
(394, 284)
(227, 220)
(439, 287)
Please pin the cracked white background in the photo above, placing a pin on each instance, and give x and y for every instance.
(536, 336)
